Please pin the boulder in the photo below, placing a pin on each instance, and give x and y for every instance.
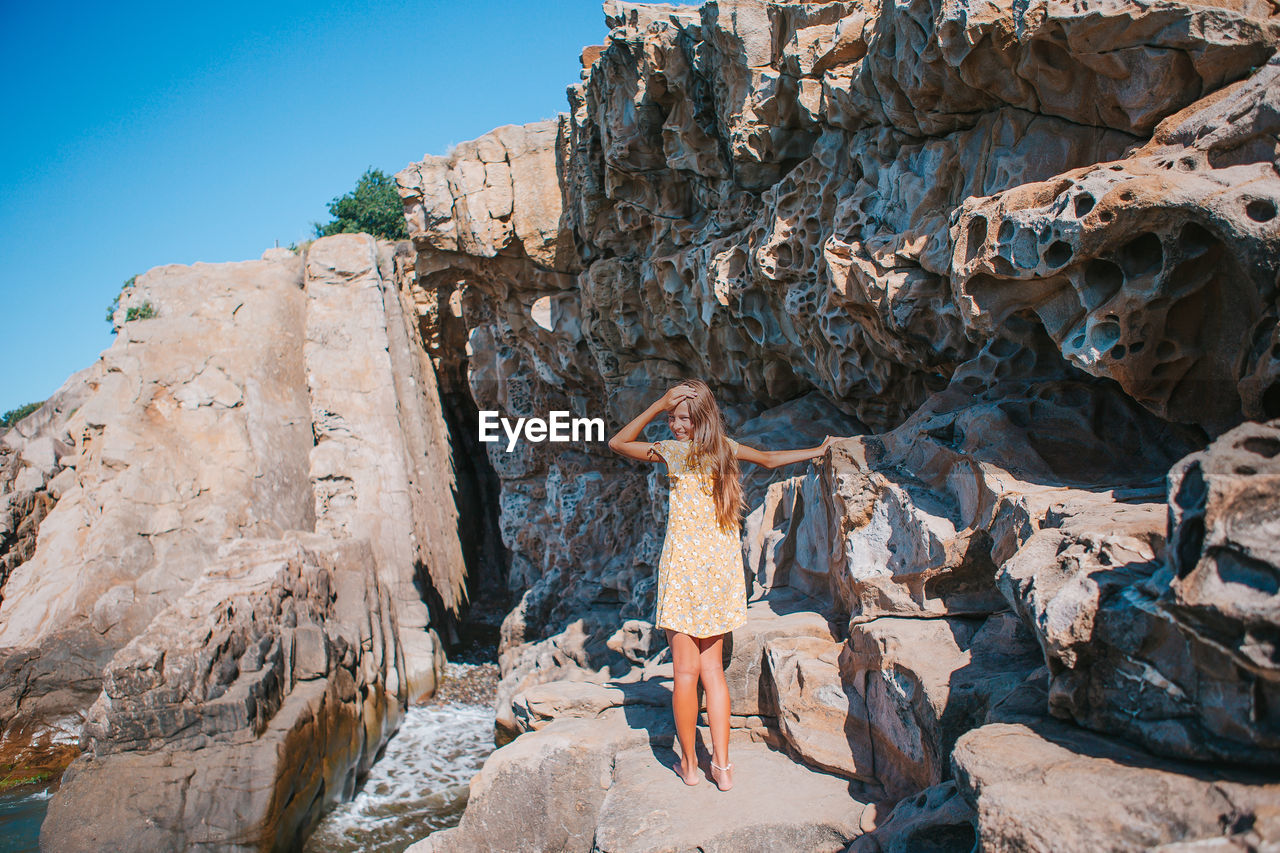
(937, 819)
(607, 784)
(1167, 645)
(1050, 786)
(243, 711)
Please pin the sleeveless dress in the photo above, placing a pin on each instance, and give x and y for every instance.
(701, 590)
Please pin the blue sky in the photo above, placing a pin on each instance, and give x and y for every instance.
(139, 134)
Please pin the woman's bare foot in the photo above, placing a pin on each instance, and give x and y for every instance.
(722, 775)
(689, 779)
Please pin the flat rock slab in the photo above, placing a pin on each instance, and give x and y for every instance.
(775, 804)
(1050, 787)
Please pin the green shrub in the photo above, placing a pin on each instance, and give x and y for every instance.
(12, 416)
(372, 207)
(115, 303)
(145, 311)
(13, 780)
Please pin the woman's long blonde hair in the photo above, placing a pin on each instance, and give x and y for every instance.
(710, 450)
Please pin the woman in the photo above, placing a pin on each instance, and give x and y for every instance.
(701, 595)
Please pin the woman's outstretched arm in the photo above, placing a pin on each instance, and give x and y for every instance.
(778, 458)
(625, 443)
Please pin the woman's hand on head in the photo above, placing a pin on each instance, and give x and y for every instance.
(675, 396)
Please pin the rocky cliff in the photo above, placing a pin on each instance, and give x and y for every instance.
(1023, 257)
(1026, 257)
(238, 506)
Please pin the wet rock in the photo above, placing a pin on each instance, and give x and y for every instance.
(244, 710)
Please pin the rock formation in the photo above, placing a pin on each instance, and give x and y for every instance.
(1026, 257)
(267, 400)
(1022, 257)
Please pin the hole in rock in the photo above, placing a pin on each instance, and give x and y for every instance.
(1006, 231)
(1236, 568)
(975, 236)
(1118, 352)
(1102, 280)
(1106, 216)
(1194, 240)
(1084, 204)
(783, 255)
(1261, 210)
(1141, 255)
(1136, 346)
(1105, 335)
(1002, 348)
(1190, 538)
(1246, 470)
(1271, 401)
(1261, 445)
(1057, 254)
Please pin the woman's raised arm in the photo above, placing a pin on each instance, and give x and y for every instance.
(778, 458)
(625, 443)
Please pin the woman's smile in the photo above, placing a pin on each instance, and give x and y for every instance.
(680, 423)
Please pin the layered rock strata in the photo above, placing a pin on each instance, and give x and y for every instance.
(244, 710)
(287, 400)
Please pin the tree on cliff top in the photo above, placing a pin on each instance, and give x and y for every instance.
(372, 207)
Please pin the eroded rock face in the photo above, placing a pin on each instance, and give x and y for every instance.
(205, 735)
(1023, 256)
(1170, 646)
(1157, 270)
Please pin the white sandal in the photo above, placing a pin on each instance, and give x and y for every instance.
(724, 769)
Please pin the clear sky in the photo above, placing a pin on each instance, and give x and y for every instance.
(146, 133)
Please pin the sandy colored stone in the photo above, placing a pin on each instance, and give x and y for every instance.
(1052, 787)
(244, 710)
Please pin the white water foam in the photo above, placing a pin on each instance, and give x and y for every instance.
(417, 787)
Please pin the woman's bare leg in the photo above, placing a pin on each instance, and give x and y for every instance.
(711, 669)
(684, 700)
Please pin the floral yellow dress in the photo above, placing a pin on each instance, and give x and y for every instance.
(701, 590)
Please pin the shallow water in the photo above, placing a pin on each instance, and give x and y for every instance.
(417, 787)
(20, 819)
(40, 752)
(420, 783)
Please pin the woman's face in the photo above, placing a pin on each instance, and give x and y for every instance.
(680, 422)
